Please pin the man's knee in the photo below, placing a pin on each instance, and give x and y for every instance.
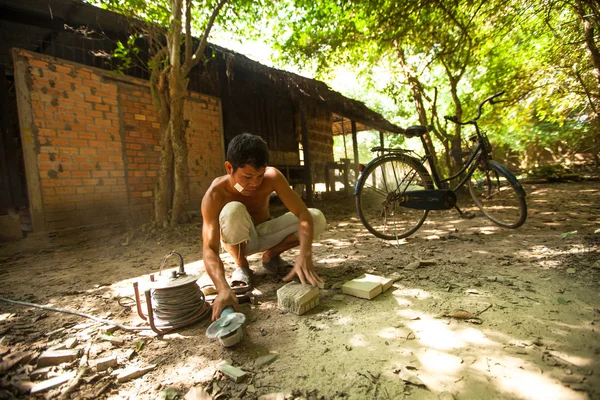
(235, 221)
(318, 222)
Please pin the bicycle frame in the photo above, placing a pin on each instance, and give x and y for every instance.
(479, 153)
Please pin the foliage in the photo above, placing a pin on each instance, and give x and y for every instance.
(445, 56)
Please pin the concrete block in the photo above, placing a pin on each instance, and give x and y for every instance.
(298, 298)
(363, 287)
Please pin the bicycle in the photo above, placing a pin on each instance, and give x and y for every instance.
(395, 192)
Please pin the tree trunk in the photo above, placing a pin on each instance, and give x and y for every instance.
(415, 88)
(455, 141)
(163, 189)
(177, 91)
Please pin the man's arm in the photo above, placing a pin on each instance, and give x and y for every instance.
(304, 265)
(210, 254)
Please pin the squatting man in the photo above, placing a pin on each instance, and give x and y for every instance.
(235, 212)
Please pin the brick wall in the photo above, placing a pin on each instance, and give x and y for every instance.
(91, 143)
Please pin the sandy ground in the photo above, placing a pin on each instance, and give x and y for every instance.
(534, 293)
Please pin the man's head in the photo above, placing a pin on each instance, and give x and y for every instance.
(247, 149)
(247, 158)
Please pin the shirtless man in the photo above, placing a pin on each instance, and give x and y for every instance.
(235, 212)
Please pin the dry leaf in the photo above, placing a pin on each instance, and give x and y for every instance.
(461, 314)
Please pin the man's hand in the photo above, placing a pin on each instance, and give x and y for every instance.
(224, 298)
(306, 272)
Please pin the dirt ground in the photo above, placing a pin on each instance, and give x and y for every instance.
(534, 295)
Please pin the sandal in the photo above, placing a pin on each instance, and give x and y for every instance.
(277, 266)
(241, 280)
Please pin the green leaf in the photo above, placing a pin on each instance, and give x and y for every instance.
(571, 270)
(562, 301)
(568, 235)
(139, 345)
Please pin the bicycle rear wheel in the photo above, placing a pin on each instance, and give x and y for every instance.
(499, 195)
(378, 191)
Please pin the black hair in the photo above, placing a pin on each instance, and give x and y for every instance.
(247, 148)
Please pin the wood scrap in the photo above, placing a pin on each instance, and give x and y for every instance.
(52, 383)
(73, 383)
(55, 357)
(132, 373)
(14, 359)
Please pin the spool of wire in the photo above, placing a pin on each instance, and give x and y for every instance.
(172, 303)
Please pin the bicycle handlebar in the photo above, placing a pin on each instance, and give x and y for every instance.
(452, 118)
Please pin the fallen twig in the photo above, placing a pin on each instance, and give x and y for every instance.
(74, 383)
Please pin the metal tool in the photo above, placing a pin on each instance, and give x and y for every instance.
(228, 328)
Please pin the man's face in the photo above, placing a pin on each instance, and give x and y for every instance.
(249, 178)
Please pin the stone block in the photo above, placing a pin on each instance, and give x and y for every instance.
(386, 283)
(298, 298)
(363, 287)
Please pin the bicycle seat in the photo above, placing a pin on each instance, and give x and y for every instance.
(416, 130)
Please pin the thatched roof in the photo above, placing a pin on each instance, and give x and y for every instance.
(302, 88)
(52, 15)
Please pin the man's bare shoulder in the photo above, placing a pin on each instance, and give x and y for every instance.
(273, 173)
(215, 194)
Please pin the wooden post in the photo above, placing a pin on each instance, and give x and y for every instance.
(381, 142)
(355, 146)
(344, 137)
(307, 169)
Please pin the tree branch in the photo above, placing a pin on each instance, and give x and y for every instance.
(192, 62)
(188, 31)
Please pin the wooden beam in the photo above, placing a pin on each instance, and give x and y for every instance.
(355, 145)
(306, 151)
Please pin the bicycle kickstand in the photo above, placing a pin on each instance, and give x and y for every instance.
(465, 215)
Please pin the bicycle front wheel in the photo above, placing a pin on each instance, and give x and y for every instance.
(499, 195)
(378, 194)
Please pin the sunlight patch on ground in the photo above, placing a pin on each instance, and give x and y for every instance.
(438, 362)
(410, 314)
(415, 293)
(538, 192)
(358, 340)
(332, 261)
(475, 336)
(404, 302)
(344, 321)
(571, 359)
(338, 243)
(436, 334)
(488, 230)
(525, 384)
(481, 251)
(389, 333)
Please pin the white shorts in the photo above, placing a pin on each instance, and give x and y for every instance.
(237, 227)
